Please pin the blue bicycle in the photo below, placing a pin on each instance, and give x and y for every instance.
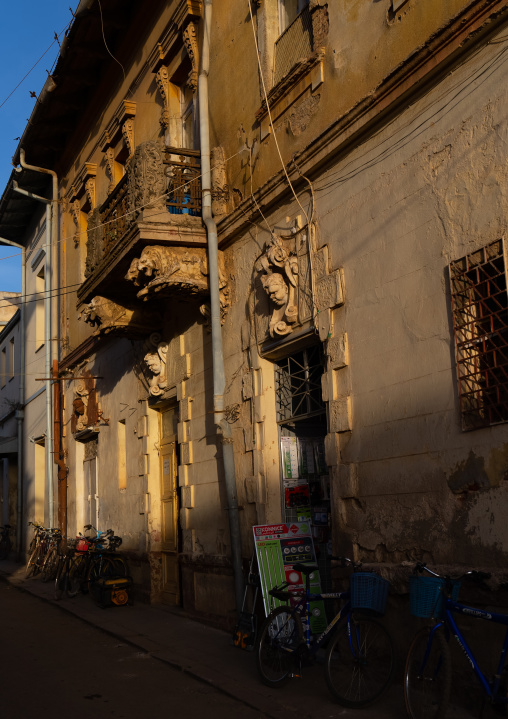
(428, 666)
(359, 650)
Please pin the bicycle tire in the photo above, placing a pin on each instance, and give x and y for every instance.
(32, 564)
(61, 579)
(76, 576)
(281, 634)
(49, 565)
(359, 661)
(427, 682)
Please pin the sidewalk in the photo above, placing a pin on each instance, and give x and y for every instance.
(208, 655)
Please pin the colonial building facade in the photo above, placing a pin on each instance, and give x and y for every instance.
(358, 191)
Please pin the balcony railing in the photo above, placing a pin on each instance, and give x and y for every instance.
(183, 170)
(166, 179)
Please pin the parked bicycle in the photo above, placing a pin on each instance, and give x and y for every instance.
(89, 560)
(5, 541)
(359, 650)
(428, 667)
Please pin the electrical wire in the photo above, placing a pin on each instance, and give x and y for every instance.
(35, 65)
(270, 114)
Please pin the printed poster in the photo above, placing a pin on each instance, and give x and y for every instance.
(278, 548)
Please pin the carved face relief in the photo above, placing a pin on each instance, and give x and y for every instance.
(280, 280)
(276, 288)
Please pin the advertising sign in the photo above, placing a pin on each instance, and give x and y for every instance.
(278, 548)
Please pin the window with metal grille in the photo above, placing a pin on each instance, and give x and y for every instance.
(480, 320)
(295, 43)
(298, 385)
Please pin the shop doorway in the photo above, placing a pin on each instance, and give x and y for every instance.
(301, 417)
(170, 506)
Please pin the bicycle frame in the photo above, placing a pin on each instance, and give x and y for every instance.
(451, 625)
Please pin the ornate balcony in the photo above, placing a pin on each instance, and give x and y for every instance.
(154, 211)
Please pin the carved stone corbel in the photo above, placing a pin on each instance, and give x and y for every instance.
(109, 156)
(106, 317)
(191, 45)
(279, 266)
(75, 210)
(128, 136)
(166, 271)
(90, 191)
(162, 80)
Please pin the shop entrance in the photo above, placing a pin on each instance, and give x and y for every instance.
(301, 416)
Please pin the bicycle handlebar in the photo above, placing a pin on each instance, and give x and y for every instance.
(474, 574)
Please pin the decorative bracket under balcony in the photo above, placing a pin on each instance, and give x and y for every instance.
(108, 317)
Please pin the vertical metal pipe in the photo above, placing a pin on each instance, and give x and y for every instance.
(217, 351)
(51, 238)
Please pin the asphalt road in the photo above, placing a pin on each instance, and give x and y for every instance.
(54, 665)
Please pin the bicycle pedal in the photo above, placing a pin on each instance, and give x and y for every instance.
(295, 676)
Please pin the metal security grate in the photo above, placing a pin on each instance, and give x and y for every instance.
(293, 45)
(298, 385)
(480, 320)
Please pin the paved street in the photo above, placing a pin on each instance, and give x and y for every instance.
(125, 662)
(52, 663)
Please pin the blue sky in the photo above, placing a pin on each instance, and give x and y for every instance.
(27, 30)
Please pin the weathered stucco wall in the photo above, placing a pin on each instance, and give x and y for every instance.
(427, 189)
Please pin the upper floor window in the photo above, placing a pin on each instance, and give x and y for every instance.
(480, 319)
(11, 357)
(288, 12)
(295, 39)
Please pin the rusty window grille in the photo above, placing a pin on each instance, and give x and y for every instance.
(293, 45)
(298, 385)
(480, 320)
(183, 170)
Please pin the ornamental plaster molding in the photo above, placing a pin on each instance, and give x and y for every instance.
(220, 188)
(95, 242)
(109, 157)
(162, 80)
(279, 277)
(128, 136)
(108, 317)
(166, 271)
(147, 182)
(190, 40)
(90, 191)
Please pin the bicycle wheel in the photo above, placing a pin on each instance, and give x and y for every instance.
(428, 677)
(49, 565)
(32, 566)
(281, 634)
(62, 577)
(76, 576)
(359, 661)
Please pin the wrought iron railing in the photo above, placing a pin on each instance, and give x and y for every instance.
(183, 170)
(115, 215)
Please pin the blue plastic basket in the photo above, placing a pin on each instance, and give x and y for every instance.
(369, 592)
(426, 596)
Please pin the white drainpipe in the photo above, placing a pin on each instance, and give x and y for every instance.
(217, 352)
(51, 240)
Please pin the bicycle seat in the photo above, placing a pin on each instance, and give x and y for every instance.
(305, 568)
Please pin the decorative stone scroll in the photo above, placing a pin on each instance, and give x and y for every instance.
(107, 317)
(162, 80)
(191, 45)
(279, 268)
(147, 182)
